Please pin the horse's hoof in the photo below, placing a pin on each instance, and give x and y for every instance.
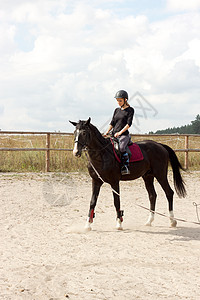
(119, 225)
(88, 227)
(147, 224)
(173, 223)
(119, 228)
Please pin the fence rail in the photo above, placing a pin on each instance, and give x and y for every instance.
(48, 149)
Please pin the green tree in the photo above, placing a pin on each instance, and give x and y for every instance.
(196, 125)
(193, 128)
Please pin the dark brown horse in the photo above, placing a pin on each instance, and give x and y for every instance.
(104, 167)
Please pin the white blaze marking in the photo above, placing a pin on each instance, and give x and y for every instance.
(76, 143)
(75, 149)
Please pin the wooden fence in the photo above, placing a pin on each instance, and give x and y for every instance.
(48, 148)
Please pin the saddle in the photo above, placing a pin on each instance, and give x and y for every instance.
(133, 150)
(115, 143)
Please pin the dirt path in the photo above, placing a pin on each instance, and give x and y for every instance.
(45, 253)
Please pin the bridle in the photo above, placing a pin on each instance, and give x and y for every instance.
(76, 139)
(84, 145)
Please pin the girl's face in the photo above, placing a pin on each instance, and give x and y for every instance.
(120, 101)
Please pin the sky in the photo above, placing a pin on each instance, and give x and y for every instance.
(64, 60)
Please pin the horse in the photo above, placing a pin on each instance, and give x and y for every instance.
(103, 167)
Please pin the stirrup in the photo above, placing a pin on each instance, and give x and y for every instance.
(125, 170)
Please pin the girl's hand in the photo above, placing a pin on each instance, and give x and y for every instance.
(117, 134)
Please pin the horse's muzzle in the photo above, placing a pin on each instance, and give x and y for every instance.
(76, 152)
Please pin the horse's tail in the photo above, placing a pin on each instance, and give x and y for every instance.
(176, 166)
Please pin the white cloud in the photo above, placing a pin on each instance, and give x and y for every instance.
(192, 52)
(181, 5)
(7, 33)
(82, 54)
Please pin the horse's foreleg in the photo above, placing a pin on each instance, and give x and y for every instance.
(115, 187)
(152, 197)
(96, 185)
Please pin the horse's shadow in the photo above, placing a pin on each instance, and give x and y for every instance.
(184, 234)
(178, 234)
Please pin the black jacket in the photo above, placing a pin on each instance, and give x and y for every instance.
(121, 118)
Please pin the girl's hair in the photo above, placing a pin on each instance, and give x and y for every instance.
(127, 102)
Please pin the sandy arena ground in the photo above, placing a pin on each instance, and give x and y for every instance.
(45, 253)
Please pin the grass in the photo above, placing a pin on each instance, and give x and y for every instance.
(63, 161)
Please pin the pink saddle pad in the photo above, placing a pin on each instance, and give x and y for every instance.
(136, 153)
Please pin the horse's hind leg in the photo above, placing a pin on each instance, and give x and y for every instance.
(116, 196)
(149, 179)
(169, 194)
(96, 185)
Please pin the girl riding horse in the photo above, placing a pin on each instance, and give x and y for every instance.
(120, 123)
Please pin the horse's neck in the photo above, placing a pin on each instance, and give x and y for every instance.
(98, 146)
(97, 140)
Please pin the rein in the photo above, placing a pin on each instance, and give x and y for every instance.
(95, 150)
(101, 148)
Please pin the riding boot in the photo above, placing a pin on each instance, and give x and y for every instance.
(125, 163)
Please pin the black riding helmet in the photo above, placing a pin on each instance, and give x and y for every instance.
(121, 94)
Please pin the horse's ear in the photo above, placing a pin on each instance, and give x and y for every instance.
(73, 123)
(88, 121)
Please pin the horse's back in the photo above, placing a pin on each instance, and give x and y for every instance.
(154, 152)
(151, 146)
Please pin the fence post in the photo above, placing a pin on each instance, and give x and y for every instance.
(186, 152)
(47, 152)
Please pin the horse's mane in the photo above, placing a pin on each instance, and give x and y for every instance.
(98, 134)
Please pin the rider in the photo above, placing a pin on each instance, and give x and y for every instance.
(120, 123)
